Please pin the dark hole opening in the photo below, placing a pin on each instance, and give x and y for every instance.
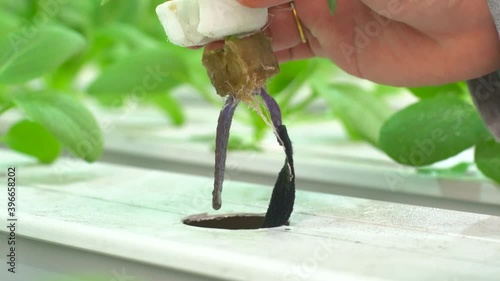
(233, 222)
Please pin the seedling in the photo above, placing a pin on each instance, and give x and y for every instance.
(121, 42)
(238, 71)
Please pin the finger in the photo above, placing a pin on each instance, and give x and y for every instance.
(262, 3)
(407, 7)
(302, 51)
(442, 15)
(282, 28)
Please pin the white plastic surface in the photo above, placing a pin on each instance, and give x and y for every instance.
(136, 214)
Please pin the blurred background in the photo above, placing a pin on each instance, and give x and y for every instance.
(98, 80)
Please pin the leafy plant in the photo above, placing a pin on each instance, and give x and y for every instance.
(431, 130)
(28, 136)
(440, 125)
(56, 119)
(458, 170)
(487, 158)
(47, 48)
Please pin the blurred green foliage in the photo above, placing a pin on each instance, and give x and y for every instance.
(446, 124)
(332, 5)
(47, 47)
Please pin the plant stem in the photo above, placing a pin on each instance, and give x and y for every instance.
(221, 143)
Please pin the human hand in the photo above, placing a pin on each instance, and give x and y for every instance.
(394, 42)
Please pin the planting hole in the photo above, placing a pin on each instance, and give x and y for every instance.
(233, 221)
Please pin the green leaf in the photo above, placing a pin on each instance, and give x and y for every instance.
(143, 73)
(296, 75)
(8, 22)
(433, 91)
(361, 111)
(33, 139)
(431, 130)
(24, 58)
(78, 15)
(332, 5)
(18, 8)
(457, 170)
(67, 119)
(487, 156)
(198, 77)
(5, 106)
(128, 34)
(170, 107)
(383, 91)
(288, 73)
(121, 11)
(238, 143)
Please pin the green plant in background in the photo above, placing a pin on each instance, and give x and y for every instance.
(49, 48)
(441, 124)
(332, 4)
(24, 60)
(438, 127)
(46, 48)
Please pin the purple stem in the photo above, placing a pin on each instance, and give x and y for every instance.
(221, 141)
(273, 107)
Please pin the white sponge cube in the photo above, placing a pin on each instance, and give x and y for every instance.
(198, 22)
(220, 18)
(180, 19)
